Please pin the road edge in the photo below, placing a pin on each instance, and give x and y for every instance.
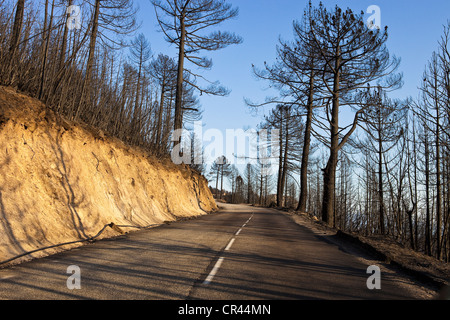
(319, 228)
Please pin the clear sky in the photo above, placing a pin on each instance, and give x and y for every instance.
(414, 30)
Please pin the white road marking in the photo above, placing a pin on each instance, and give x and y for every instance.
(229, 244)
(213, 271)
(216, 267)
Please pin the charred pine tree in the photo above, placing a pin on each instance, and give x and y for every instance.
(183, 23)
(117, 17)
(14, 42)
(163, 70)
(353, 56)
(383, 122)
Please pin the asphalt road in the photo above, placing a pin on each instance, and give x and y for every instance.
(242, 252)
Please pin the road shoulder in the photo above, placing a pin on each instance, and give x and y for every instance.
(429, 283)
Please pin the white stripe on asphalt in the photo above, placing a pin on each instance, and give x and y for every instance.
(213, 271)
(229, 244)
(216, 267)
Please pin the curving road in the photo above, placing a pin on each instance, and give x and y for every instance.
(242, 252)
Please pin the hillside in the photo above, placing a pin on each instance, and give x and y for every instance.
(62, 182)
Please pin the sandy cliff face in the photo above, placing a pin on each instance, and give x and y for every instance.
(61, 182)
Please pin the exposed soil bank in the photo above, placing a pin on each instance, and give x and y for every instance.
(61, 182)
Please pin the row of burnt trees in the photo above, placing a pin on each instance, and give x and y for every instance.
(91, 74)
(382, 164)
(87, 61)
(402, 169)
(429, 163)
(270, 173)
(252, 184)
(328, 67)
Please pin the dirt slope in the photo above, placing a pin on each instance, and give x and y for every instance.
(61, 182)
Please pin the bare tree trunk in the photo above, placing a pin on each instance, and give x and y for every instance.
(380, 185)
(217, 180)
(427, 199)
(438, 181)
(17, 27)
(329, 178)
(261, 179)
(283, 188)
(306, 146)
(178, 121)
(15, 39)
(45, 52)
(159, 120)
(411, 232)
(62, 55)
(221, 181)
(416, 196)
(137, 114)
(280, 166)
(90, 61)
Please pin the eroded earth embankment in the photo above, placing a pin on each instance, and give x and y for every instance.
(61, 182)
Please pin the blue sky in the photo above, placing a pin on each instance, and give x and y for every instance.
(414, 30)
